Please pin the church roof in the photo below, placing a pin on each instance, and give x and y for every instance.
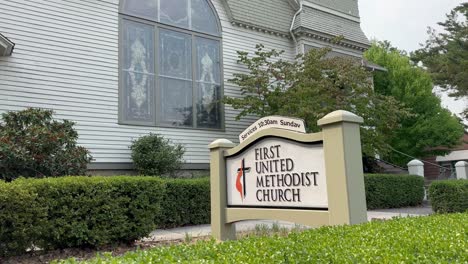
(271, 14)
(311, 19)
(329, 18)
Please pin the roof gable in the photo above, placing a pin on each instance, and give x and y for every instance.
(331, 25)
(272, 14)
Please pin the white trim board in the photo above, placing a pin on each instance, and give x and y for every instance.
(454, 156)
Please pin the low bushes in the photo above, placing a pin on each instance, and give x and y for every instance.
(187, 202)
(20, 217)
(93, 211)
(393, 191)
(449, 196)
(155, 155)
(33, 144)
(433, 239)
(77, 211)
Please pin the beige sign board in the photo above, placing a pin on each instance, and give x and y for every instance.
(288, 123)
(311, 179)
(277, 172)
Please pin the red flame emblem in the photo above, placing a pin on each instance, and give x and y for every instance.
(240, 185)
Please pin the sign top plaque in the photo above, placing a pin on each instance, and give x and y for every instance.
(294, 124)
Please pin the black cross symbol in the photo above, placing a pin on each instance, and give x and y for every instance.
(244, 170)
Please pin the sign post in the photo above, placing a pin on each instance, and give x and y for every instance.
(284, 174)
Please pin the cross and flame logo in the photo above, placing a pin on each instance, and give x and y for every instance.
(240, 186)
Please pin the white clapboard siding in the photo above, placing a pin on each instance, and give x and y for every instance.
(66, 59)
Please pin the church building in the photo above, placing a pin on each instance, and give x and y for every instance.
(124, 69)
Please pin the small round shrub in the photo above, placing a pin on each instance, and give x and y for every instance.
(33, 144)
(155, 155)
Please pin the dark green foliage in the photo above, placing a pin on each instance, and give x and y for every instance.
(430, 126)
(155, 155)
(32, 144)
(445, 54)
(187, 202)
(311, 87)
(77, 211)
(449, 196)
(20, 214)
(393, 191)
(94, 211)
(432, 239)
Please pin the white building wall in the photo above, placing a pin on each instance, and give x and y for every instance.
(66, 59)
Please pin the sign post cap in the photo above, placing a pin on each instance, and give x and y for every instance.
(221, 143)
(340, 116)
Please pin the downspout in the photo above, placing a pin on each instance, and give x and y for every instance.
(294, 21)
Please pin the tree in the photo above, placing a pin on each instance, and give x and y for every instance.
(430, 125)
(311, 87)
(445, 54)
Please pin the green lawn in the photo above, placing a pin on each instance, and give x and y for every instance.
(433, 239)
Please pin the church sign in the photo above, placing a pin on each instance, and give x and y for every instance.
(277, 172)
(280, 172)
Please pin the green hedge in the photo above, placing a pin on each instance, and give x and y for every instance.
(432, 239)
(187, 202)
(20, 215)
(77, 211)
(393, 191)
(94, 211)
(449, 196)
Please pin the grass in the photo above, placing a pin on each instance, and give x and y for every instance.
(432, 239)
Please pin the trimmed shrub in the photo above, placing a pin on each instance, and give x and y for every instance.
(393, 191)
(449, 196)
(32, 144)
(187, 202)
(432, 239)
(94, 211)
(20, 215)
(77, 211)
(155, 155)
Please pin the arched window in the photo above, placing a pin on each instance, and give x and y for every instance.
(170, 64)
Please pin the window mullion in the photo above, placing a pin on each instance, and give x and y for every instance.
(158, 15)
(189, 15)
(194, 83)
(157, 86)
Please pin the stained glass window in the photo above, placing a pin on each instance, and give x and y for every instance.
(203, 19)
(138, 71)
(184, 89)
(175, 78)
(208, 82)
(175, 12)
(196, 15)
(146, 9)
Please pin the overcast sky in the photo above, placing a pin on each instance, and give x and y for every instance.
(404, 23)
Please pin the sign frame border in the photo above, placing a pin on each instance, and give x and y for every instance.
(344, 176)
(302, 138)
